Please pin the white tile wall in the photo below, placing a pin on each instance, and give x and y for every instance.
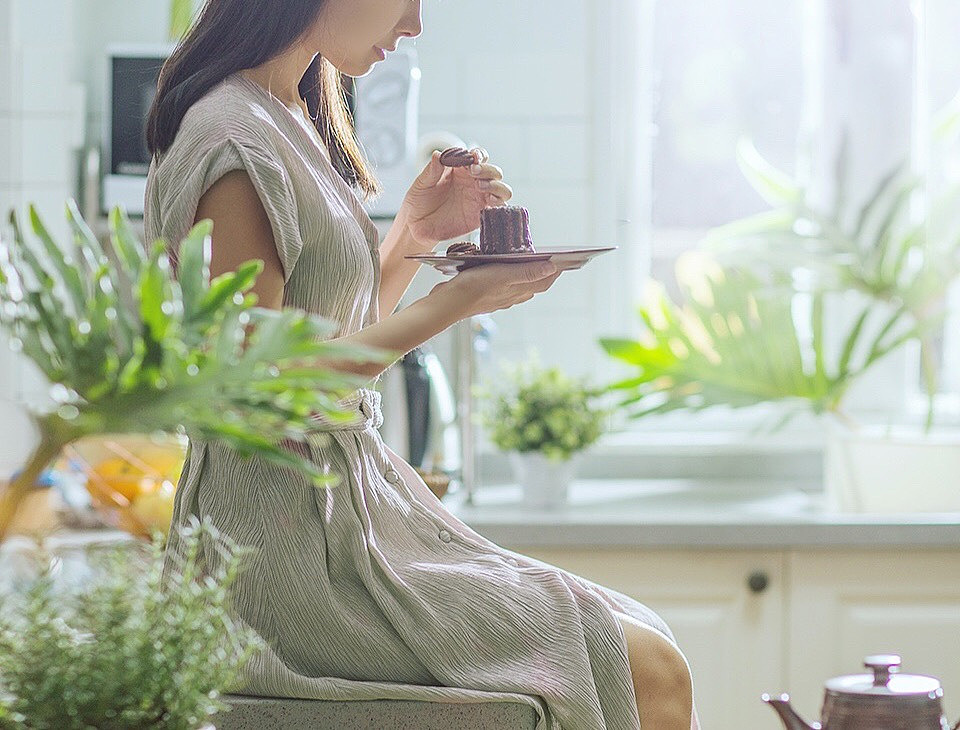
(560, 151)
(9, 148)
(38, 137)
(525, 92)
(9, 79)
(45, 151)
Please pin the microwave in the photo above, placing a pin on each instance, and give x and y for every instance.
(384, 105)
(131, 84)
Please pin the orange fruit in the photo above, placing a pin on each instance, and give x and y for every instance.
(154, 509)
(120, 476)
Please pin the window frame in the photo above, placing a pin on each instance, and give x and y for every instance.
(623, 48)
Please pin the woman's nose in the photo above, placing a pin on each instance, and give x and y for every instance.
(411, 24)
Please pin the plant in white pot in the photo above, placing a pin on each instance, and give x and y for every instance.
(544, 419)
(758, 299)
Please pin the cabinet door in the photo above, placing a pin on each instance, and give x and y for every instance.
(730, 633)
(847, 605)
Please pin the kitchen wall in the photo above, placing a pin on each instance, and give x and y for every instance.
(40, 130)
(522, 81)
(40, 106)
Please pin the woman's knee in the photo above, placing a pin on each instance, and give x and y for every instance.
(657, 664)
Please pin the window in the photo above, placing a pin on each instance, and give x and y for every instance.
(796, 77)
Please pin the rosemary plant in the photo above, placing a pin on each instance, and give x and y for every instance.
(131, 649)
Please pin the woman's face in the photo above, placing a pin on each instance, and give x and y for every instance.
(354, 34)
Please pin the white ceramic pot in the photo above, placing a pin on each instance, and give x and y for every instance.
(892, 470)
(545, 483)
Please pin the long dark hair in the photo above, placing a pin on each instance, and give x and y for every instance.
(232, 35)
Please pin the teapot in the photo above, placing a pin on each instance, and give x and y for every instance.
(885, 700)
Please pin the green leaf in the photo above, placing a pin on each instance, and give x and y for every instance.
(851, 341)
(225, 287)
(194, 266)
(142, 350)
(774, 186)
(69, 276)
(882, 190)
(130, 251)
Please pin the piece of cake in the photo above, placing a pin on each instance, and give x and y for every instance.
(505, 229)
(457, 157)
(467, 248)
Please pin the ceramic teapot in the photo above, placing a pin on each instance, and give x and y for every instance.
(885, 700)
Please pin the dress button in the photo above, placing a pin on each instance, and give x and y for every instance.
(392, 476)
(445, 535)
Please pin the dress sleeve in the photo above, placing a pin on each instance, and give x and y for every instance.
(269, 179)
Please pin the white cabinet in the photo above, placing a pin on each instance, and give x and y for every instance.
(846, 605)
(731, 635)
(820, 613)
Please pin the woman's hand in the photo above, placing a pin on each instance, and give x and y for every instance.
(445, 202)
(490, 287)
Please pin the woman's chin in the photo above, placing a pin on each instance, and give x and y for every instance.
(361, 69)
(356, 68)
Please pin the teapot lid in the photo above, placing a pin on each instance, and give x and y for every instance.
(886, 681)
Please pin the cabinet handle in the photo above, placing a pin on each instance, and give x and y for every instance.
(758, 581)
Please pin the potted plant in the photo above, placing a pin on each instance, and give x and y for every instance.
(129, 649)
(543, 419)
(758, 297)
(129, 348)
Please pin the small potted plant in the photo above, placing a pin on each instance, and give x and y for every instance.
(543, 419)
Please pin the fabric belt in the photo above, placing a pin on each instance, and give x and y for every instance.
(362, 410)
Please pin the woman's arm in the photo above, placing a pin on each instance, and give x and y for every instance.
(442, 203)
(396, 272)
(242, 231)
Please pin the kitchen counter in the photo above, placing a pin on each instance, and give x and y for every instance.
(656, 513)
(695, 514)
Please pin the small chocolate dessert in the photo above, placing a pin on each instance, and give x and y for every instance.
(457, 157)
(505, 229)
(463, 248)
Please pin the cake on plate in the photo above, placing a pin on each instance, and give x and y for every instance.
(505, 229)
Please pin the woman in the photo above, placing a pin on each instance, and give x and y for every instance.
(371, 589)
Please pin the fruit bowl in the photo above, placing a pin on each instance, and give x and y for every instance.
(131, 478)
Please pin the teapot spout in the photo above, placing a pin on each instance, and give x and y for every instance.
(791, 720)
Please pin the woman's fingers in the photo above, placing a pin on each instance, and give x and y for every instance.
(480, 154)
(497, 188)
(540, 285)
(486, 171)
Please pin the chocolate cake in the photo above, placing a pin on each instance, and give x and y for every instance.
(505, 229)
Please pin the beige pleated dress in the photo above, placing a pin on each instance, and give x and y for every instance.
(371, 589)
